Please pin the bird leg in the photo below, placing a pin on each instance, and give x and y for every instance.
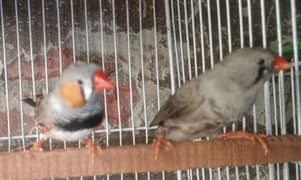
(92, 147)
(159, 141)
(37, 146)
(260, 138)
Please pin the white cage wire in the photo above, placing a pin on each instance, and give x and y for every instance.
(150, 48)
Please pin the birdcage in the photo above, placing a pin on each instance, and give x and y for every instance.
(149, 48)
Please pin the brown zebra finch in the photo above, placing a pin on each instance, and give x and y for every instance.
(218, 97)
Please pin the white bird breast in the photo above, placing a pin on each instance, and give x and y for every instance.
(68, 135)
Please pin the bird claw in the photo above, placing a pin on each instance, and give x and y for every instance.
(37, 146)
(260, 138)
(160, 141)
(92, 148)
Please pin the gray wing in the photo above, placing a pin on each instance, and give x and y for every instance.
(185, 101)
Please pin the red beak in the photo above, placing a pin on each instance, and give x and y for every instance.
(280, 63)
(101, 81)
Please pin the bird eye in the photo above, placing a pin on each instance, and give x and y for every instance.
(80, 82)
(261, 62)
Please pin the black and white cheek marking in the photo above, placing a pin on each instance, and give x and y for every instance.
(86, 88)
(80, 83)
(262, 71)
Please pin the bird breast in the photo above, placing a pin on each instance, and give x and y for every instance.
(62, 135)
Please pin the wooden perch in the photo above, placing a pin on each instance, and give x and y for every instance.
(140, 158)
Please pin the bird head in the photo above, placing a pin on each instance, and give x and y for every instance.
(251, 66)
(79, 81)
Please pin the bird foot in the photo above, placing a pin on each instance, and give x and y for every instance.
(260, 138)
(92, 148)
(160, 141)
(37, 146)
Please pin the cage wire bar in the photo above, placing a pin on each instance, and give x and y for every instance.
(183, 40)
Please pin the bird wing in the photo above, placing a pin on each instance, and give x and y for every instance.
(186, 100)
(33, 102)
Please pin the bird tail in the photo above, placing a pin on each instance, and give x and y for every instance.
(32, 102)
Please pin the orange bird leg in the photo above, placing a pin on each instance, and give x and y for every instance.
(158, 142)
(92, 148)
(260, 138)
(37, 146)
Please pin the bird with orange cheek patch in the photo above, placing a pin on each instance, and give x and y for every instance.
(73, 109)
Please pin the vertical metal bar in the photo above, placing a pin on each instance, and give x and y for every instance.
(175, 44)
(241, 32)
(20, 75)
(31, 56)
(193, 40)
(297, 171)
(247, 173)
(294, 114)
(210, 174)
(163, 175)
(230, 50)
(241, 25)
(209, 169)
(5, 78)
(202, 36)
(87, 46)
(181, 41)
(103, 67)
(130, 75)
(255, 131)
(179, 175)
(296, 66)
(197, 174)
(250, 23)
(228, 26)
(130, 70)
(266, 87)
(30, 49)
(250, 30)
(188, 174)
(275, 106)
(168, 29)
(171, 66)
(45, 46)
(293, 101)
(219, 176)
(263, 24)
(58, 16)
(203, 174)
(210, 33)
(72, 31)
(142, 72)
(278, 171)
(157, 63)
(281, 86)
(236, 173)
(45, 55)
(219, 29)
(87, 30)
(280, 75)
(187, 40)
(116, 73)
(59, 43)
